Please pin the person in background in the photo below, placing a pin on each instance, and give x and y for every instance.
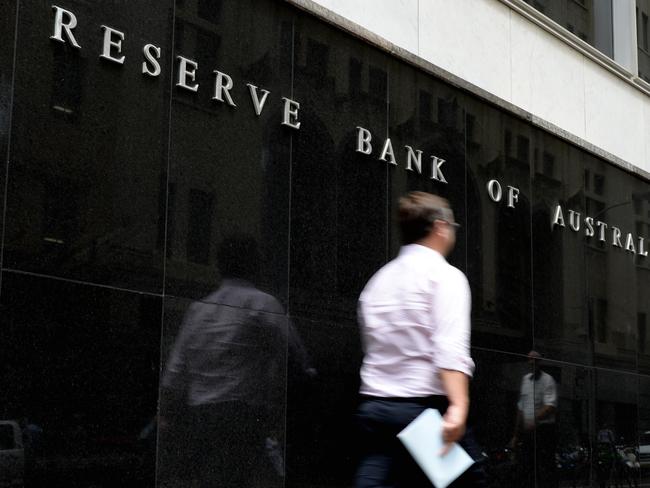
(414, 316)
(224, 383)
(535, 424)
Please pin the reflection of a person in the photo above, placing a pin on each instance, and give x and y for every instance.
(606, 455)
(414, 315)
(228, 367)
(535, 425)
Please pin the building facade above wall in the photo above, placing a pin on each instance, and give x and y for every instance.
(506, 52)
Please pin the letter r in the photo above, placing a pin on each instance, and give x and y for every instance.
(60, 26)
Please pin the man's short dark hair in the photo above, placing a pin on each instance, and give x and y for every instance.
(418, 211)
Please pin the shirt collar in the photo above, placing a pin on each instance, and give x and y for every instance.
(420, 250)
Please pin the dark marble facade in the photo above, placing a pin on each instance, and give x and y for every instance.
(136, 211)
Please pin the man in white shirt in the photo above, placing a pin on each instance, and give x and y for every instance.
(535, 424)
(414, 316)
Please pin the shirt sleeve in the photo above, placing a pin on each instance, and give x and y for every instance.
(522, 392)
(550, 392)
(451, 323)
(175, 369)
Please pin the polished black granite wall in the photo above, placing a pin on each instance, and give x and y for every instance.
(134, 212)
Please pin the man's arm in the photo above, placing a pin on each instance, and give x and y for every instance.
(451, 351)
(550, 399)
(456, 385)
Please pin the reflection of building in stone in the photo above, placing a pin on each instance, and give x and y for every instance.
(75, 223)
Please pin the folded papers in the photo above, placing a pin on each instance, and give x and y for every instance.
(423, 439)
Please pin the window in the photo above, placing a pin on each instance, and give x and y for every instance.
(591, 21)
(642, 40)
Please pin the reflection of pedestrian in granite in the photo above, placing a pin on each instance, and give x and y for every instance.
(228, 366)
(535, 426)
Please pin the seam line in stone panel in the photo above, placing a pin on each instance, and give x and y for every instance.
(165, 232)
(290, 175)
(80, 282)
(466, 182)
(531, 268)
(387, 169)
(169, 145)
(234, 307)
(7, 157)
(288, 321)
(558, 362)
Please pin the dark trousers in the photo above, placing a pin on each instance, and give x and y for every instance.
(224, 445)
(538, 457)
(385, 463)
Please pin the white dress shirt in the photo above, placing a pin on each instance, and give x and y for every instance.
(535, 394)
(231, 347)
(414, 315)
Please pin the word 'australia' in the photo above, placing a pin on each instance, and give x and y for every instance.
(413, 156)
(66, 21)
(593, 227)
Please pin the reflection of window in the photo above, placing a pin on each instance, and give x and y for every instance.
(470, 127)
(355, 76)
(507, 143)
(207, 46)
(67, 82)
(639, 228)
(199, 226)
(426, 102)
(378, 83)
(523, 148)
(644, 30)
(599, 184)
(638, 205)
(594, 207)
(587, 180)
(209, 10)
(548, 161)
(179, 35)
(447, 112)
(317, 57)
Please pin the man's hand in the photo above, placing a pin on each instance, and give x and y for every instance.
(453, 426)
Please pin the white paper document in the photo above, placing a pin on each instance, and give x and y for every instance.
(423, 439)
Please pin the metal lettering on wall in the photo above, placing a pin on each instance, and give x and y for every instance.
(66, 21)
